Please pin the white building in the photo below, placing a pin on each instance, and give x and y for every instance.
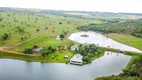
(58, 37)
(77, 59)
(74, 47)
(38, 49)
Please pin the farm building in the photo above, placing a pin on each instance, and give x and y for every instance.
(77, 59)
(74, 47)
(37, 49)
(58, 37)
(66, 56)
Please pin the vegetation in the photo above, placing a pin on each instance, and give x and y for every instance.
(47, 51)
(19, 25)
(91, 52)
(101, 16)
(133, 71)
(28, 51)
(133, 27)
(126, 39)
(59, 57)
(117, 78)
(5, 36)
(22, 25)
(62, 36)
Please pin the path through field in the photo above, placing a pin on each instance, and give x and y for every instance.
(5, 48)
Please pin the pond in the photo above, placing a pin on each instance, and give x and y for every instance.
(100, 40)
(109, 64)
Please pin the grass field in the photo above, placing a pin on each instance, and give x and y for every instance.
(59, 57)
(29, 22)
(127, 39)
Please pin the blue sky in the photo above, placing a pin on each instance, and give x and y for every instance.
(134, 6)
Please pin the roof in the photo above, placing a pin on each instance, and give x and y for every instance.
(75, 47)
(77, 58)
(66, 56)
(38, 49)
(58, 37)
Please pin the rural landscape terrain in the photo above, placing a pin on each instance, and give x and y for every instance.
(36, 35)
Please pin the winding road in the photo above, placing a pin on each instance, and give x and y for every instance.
(5, 48)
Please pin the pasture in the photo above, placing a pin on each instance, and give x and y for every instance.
(127, 39)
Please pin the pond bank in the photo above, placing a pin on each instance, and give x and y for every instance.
(100, 40)
(58, 59)
(133, 71)
(103, 66)
(60, 56)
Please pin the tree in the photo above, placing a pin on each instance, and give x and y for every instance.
(28, 51)
(37, 30)
(45, 52)
(48, 50)
(46, 28)
(60, 22)
(20, 30)
(86, 58)
(35, 46)
(1, 19)
(5, 36)
(22, 38)
(82, 52)
(62, 36)
(53, 31)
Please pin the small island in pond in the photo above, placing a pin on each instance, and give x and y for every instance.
(84, 35)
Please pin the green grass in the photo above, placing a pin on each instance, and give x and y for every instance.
(29, 19)
(127, 39)
(48, 39)
(117, 78)
(59, 57)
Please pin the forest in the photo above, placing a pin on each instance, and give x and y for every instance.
(133, 27)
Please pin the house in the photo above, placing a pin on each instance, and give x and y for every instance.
(66, 56)
(77, 59)
(58, 37)
(37, 49)
(74, 47)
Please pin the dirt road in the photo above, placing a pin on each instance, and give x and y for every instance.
(5, 48)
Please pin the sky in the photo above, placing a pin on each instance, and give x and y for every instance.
(129, 6)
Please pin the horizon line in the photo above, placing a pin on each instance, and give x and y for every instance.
(77, 10)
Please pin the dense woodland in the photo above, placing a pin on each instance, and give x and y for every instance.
(133, 27)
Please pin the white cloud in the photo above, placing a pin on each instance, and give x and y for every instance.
(85, 5)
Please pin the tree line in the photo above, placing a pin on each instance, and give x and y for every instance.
(133, 27)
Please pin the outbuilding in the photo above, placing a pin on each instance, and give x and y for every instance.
(77, 59)
(74, 47)
(66, 56)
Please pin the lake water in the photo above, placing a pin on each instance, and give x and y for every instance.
(99, 39)
(21, 70)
